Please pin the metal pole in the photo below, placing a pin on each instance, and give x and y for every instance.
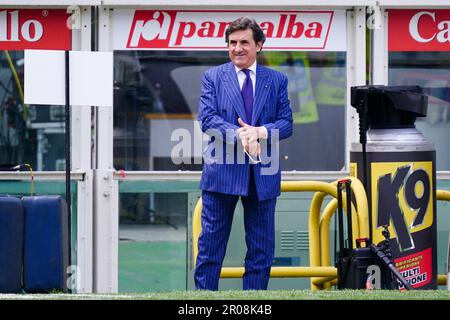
(67, 152)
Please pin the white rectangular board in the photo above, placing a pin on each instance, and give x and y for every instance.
(91, 78)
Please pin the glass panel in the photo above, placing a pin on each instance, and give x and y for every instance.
(28, 134)
(157, 92)
(152, 236)
(431, 71)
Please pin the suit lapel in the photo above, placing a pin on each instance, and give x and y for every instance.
(261, 92)
(231, 85)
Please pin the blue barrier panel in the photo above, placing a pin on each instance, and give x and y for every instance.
(46, 244)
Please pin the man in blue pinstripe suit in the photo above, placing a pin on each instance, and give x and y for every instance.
(244, 106)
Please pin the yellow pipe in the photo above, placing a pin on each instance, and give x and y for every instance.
(315, 255)
(324, 230)
(296, 186)
(284, 272)
(360, 221)
(196, 227)
(443, 195)
(324, 281)
(442, 279)
(17, 80)
(334, 282)
(314, 236)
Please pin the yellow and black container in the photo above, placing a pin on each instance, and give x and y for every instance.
(398, 168)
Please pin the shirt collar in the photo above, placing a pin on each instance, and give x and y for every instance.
(251, 68)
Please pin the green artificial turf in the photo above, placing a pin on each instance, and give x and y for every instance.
(251, 295)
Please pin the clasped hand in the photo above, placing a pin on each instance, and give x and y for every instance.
(249, 136)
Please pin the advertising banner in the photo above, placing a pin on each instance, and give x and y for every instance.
(205, 30)
(22, 29)
(402, 196)
(419, 30)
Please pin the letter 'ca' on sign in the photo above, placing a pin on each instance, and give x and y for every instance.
(419, 30)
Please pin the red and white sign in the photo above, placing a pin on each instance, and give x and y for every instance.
(205, 30)
(416, 268)
(34, 29)
(419, 30)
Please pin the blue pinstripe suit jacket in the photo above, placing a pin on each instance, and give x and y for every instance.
(220, 106)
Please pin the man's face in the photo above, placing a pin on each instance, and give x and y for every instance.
(242, 48)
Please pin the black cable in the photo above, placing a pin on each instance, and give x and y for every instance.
(388, 262)
(364, 159)
(362, 109)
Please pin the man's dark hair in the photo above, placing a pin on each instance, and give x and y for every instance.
(244, 23)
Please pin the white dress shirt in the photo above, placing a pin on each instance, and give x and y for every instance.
(241, 78)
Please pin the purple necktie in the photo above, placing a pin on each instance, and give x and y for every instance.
(247, 95)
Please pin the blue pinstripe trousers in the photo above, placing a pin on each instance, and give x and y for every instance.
(217, 217)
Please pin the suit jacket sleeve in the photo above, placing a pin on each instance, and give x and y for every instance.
(283, 120)
(209, 116)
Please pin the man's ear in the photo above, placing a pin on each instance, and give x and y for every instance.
(259, 47)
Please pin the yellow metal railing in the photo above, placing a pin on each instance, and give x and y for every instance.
(322, 274)
(315, 271)
(324, 229)
(360, 222)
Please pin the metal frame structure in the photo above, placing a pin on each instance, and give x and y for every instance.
(98, 182)
(81, 151)
(106, 191)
